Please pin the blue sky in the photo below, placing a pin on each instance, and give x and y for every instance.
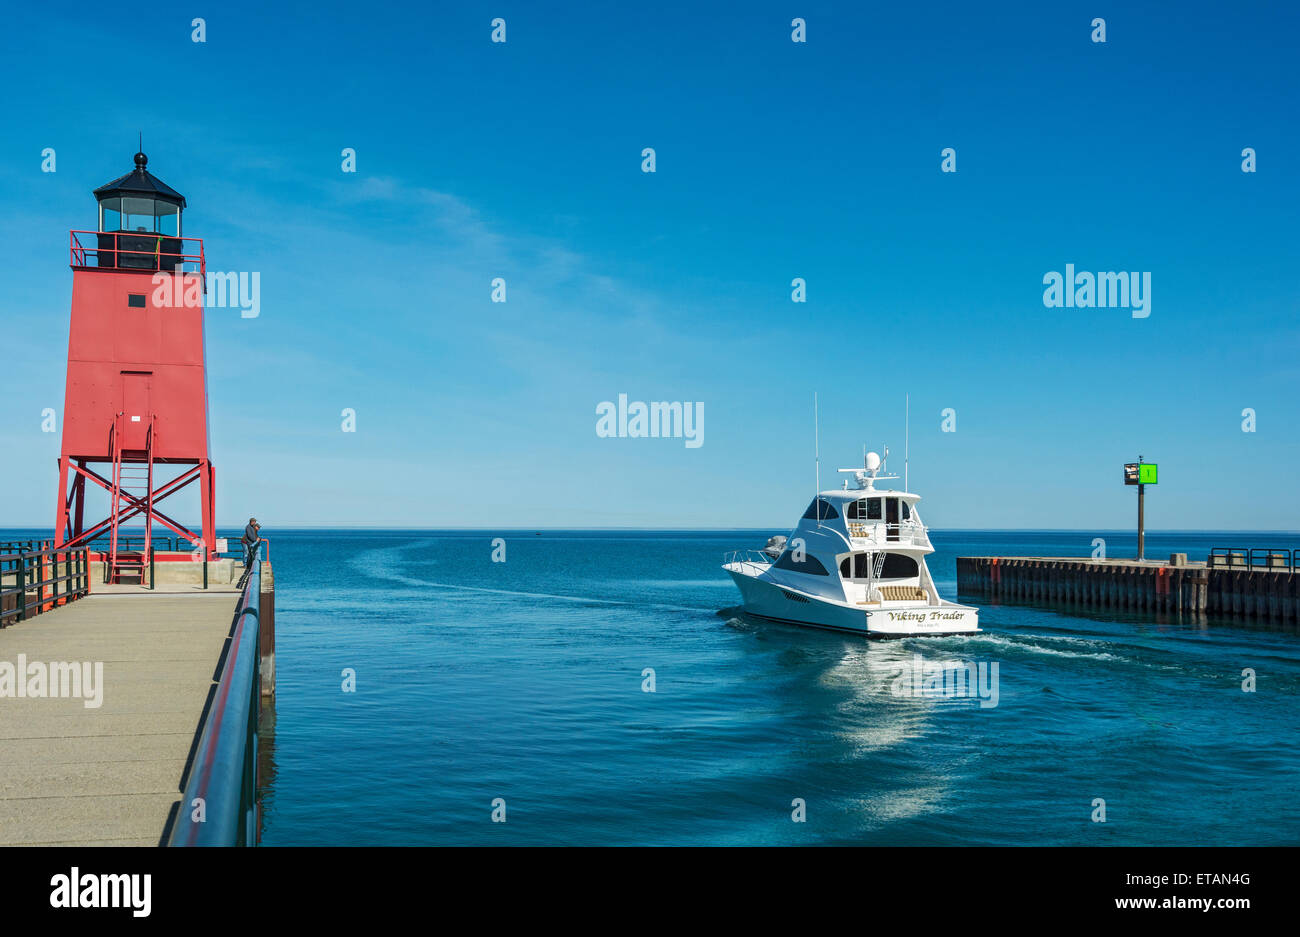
(775, 160)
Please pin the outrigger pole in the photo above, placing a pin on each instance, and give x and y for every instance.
(817, 460)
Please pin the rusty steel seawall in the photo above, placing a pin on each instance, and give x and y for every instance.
(1251, 594)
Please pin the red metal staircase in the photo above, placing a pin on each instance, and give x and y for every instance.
(132, 496)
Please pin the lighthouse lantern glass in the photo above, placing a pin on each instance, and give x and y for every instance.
(168, 218)
(110, 214)
(140, 215)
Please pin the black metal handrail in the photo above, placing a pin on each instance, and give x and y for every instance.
(1254, 557)
(163, 544)
(136, 544)
(222, 785)
(24, 546)
(23, 573)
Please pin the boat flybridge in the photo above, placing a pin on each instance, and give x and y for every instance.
(855, 562)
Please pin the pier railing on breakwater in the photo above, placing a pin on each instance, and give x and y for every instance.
(36, 580)
(219, 807)
(1270, 557)
(1264, 594)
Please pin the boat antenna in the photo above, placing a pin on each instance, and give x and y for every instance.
(817, 460)
(907, 433)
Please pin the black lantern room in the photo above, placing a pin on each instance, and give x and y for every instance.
(139, 219)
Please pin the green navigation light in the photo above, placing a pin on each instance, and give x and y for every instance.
(1140, 473)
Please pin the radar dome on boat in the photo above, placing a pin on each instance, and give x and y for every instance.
(872, 461)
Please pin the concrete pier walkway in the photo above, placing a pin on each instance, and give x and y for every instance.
(111, 775)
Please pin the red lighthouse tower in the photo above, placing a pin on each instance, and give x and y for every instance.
(136, 408)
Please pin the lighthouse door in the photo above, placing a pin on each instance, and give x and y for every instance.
(135, 408)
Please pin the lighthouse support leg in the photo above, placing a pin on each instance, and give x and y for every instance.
(207, 494)
(79, 501)
(61, 527)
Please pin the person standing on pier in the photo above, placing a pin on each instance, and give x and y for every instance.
(252, 540)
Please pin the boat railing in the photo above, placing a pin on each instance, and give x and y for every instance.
(911, 534)
(754, 558)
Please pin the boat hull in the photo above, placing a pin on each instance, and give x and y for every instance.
(781, 603)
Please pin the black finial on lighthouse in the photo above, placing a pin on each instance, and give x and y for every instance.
(141, 161)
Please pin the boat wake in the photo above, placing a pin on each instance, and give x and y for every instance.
(378, 564)
(1030, 645)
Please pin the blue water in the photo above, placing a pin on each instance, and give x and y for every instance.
(522, 680)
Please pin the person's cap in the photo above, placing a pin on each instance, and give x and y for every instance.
(253, 521)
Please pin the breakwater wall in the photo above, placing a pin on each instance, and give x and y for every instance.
(1264, 594)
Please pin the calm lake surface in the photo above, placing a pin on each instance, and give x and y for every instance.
(523, 681)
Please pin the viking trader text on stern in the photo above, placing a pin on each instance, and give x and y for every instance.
(855, 562)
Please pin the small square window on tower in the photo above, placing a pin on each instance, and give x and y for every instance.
(135, 300)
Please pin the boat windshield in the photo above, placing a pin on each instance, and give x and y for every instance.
(895, 566)
(820, 510)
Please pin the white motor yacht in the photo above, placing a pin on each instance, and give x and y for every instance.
(855, 562)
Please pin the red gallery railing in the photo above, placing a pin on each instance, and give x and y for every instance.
(136, 251)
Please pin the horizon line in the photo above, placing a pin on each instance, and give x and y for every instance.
(1098, 530)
